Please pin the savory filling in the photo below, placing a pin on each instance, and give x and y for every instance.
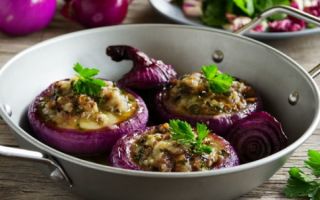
(156, 150)
(191, 94)
(65, 108)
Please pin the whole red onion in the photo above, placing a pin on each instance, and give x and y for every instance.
(95, 13)
(21, 17)
(146, 73)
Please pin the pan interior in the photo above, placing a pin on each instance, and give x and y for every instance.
(186, 48)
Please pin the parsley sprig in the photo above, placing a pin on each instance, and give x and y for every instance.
(86, 84)
(218, 82)
(183, 133)
(301, 184)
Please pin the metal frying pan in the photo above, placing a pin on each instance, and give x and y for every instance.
(288, 91)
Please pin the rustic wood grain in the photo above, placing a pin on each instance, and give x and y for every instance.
(22, 180)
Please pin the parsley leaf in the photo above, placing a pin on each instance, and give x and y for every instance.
(85, 72)
(183, 133)
(313, 162)
(218, 82)
(86, 84)
(301, 184)
(203, 132)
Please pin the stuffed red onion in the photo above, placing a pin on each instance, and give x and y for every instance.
(84, 115)
(211, 97)
(173, 147)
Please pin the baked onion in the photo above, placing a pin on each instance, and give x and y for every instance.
(191, 99)
(78, 117)
(157, 149)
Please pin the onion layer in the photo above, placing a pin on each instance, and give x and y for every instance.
(89, 142)
(257, 136)
(146, 72)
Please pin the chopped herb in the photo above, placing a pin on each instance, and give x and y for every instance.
(218, 82)
(183, 133)
(301, 184)
(86, 84)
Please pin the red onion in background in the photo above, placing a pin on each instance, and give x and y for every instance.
(21, 17)
(96, 13)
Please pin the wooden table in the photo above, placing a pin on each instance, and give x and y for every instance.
(21, 180)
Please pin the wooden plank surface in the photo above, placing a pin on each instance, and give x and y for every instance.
(21, 180)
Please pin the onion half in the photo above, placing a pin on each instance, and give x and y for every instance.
(219, 124)
(121, 152)
(88, 142)
(257, 136)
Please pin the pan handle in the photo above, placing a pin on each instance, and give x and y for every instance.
(57, 174)
(278, 9)
(314, 72)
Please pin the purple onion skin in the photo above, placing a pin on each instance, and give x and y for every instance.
(146, 73)
(148, 97)
(121, 154)
(96, 13)
(219, 124)
(257, 136)
(89, 142)
(22, 17)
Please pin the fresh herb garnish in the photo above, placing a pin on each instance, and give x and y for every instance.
(183, 133)
(301, 184)
(86, 84)
(218, 82)
(203, 132)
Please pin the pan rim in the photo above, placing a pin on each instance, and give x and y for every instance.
(69, 158)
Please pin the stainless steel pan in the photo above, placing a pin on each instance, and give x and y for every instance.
(289, 92)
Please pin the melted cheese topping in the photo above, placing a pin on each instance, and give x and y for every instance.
(156, 151)
(64, 108)
(191, 95)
